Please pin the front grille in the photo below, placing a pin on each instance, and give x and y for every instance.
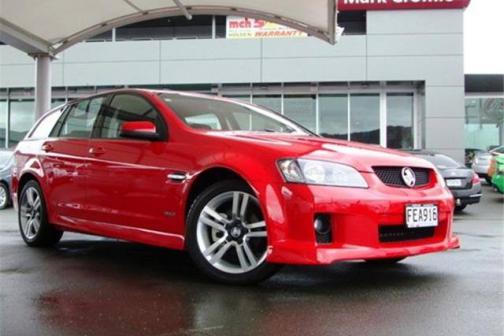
(398, 233)
(392, 176)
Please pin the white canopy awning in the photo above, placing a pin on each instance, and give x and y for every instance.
(50, 26)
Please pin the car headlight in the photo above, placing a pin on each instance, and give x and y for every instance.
(321, 173)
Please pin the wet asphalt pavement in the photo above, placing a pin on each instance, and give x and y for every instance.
(94, 286)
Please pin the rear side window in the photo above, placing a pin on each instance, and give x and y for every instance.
(81, 118)
(46, 125)
(127, 107)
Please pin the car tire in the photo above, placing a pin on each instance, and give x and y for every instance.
(460, 208)
(5, 200)
(384, 261)
(223, 239)
(32, 216)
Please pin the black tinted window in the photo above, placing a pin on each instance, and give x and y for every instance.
(81, 118)
(46, 125)
(123, 108)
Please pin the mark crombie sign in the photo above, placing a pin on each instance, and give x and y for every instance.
(347, 5)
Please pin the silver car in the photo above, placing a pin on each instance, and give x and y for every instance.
(481, 162)
(6, 162)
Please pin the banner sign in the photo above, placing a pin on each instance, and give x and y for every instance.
(349, 5)
(245, 28)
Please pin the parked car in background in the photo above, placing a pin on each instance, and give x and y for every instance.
(6, 163)
(463, 182)
(241, 188)
(481, 162)
(470, 154)
(496, 172)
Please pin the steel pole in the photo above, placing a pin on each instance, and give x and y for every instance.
(42, 84)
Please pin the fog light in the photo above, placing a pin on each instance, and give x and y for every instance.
(322, 226)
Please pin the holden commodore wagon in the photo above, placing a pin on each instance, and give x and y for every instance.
(241, 188)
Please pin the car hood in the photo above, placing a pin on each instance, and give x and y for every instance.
(361, 156)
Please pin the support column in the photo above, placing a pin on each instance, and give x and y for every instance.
(42, 84)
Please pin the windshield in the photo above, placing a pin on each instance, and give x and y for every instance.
(441, 161)
(217, 115)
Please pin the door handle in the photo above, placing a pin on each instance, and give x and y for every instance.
(96, 151)
(47, 148)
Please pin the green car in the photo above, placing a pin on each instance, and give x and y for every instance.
(498, 177)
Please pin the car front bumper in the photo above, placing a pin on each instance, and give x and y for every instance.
(358, 218)
(467, 196)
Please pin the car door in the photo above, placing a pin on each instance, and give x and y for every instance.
(64, 157)
(128, 183)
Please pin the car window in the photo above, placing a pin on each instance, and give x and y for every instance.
(81, 117)
(213, 114)
(123, 108)
(204, 121)
(46, 125)
(441, 161)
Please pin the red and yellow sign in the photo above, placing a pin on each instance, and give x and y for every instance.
(245, 28)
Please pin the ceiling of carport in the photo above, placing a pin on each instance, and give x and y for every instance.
(50, 26)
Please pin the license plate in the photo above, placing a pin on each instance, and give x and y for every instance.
(421, 215)
(454, 183)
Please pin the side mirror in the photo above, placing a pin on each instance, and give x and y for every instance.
(143, 130)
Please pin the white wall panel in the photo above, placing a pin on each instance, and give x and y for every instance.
(421, 45)
(415, 21)
(445, 101)
(113, 73)
(210, 49)
(436, 70)
(314, 69)
(95, 52)
(210, 71)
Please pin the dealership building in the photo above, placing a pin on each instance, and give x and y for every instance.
(395, 77)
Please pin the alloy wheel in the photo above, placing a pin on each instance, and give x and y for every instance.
(231, 232)
(4, 197)
(30, 213)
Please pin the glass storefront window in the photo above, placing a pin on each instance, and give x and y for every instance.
(22, 118)
(333, 116)
(302, 110)
(3, 122)
(57, 102)
(400, 120)
(484, 124)
(365, 118)
(175, 27)
(272, 102)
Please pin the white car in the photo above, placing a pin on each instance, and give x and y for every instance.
(481, 162)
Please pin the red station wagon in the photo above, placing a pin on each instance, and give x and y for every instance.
(241, 188)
